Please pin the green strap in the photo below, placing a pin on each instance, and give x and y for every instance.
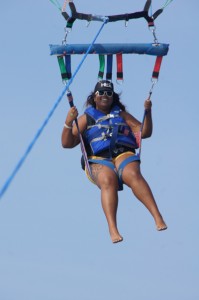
(102, 66)
(62, 67)
(69, 23)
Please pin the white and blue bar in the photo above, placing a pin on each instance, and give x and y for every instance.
(148, 49)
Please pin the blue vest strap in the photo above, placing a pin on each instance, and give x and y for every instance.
(113, 138)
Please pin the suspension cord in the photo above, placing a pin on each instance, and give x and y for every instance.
(56, 3)
(167, 3)
(154, 80)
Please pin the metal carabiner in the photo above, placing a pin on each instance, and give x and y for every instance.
(67, 31)
(154, 35)
(152, 86)
(153, 29)
(88, 23)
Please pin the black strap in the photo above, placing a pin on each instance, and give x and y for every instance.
(157, 13)
(126, 17)
(147, 5)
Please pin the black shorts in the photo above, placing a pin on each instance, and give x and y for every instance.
(107, 154)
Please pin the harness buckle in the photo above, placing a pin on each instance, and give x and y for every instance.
(111, 116)
(109, 133)
(104, 136)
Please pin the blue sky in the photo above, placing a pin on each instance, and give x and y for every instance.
(54, 238)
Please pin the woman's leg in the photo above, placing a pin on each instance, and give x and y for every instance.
(133, 178)
(107, 181)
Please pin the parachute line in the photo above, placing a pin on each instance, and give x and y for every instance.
(56, 3)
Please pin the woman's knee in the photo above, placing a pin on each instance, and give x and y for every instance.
(108, 180)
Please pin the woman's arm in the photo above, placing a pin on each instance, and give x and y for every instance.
(148, 123)
(70, 136)
(132, 122)
(135, 125)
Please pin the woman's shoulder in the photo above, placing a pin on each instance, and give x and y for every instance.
(82, 121)
(129, 119)
(124, 114)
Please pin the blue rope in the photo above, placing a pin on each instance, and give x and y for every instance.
(29, 148)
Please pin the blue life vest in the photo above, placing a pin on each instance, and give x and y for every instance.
(108, 131)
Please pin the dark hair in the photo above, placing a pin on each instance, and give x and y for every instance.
(116, 101)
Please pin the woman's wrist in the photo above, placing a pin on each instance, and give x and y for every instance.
(68, 126)
(148, 109)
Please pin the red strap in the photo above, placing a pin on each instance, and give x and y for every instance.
(157, 66)
(119, 66)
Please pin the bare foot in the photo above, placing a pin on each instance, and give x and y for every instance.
(160, 224)
(115, 236)
(117, 240)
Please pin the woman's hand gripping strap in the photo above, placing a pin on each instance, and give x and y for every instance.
(83, 149)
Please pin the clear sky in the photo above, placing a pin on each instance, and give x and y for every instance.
(54, 241)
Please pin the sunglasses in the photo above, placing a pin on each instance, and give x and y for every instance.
(102, 93)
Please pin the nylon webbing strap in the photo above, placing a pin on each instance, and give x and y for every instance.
(101, 67)
(106, 162)
(113, 18)
(109, 67)
(113, 139)
(62, 67)
(157, 66)
(147, 5)
(119, 66)
(65, 66)
(73, 17)
(68, 66)
(157, 13)
(65, 4)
